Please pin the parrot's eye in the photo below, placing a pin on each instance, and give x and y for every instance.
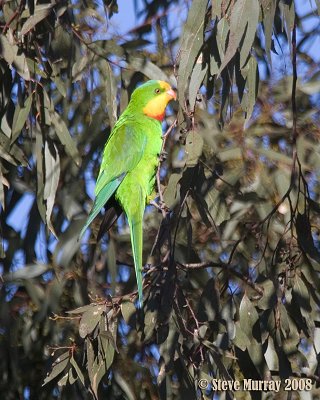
(157, 91)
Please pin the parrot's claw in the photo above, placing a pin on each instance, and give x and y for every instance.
(163, 207)
(163, 156)
(156, 205)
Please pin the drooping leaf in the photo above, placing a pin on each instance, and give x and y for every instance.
(194, 146)
(27, 272)
(111, 93)
(65, 137)
(40, 173)
(20, 116)
(90, 320)
(269, 10)
(57, 367)
(252, 83)
(128, 310)
(52, 175)
(288, 15)
(171, 194)
(192, 41)
(197, 76)
(244, 18)
(148, 68)
(305, 239)
(40, 12)
(77, 370)
(248, 316)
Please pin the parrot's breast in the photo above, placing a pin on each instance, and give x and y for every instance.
(142, 177)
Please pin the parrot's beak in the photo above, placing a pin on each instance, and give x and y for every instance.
(172, 94)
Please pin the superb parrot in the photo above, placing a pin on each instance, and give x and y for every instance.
(128, 168)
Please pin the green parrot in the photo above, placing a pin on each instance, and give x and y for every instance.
(128, 168)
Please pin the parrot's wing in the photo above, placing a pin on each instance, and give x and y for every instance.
(104, 195)
(121, 154)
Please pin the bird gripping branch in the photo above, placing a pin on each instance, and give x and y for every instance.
(130, 159)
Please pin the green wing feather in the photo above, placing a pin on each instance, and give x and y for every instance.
(121, 154)
(103, 196)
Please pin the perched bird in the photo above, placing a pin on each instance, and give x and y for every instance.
(130, 159)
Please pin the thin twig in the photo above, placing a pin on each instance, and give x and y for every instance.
(208, 264)
(164, 139)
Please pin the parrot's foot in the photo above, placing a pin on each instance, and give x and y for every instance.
(156, 205)
(163, 156)
(151, 198)
(163, 207)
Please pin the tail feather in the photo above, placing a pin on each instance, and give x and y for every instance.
(135, 224)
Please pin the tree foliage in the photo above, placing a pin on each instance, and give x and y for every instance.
(231, 282)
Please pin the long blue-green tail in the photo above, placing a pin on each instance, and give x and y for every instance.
(135, 224)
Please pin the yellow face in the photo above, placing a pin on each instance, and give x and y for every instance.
(155, 108)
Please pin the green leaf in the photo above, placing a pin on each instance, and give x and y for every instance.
(2, 201)
(11, 152)
(57, 367)
(198, 73)
(64, 380)
(71, 376)
(128, 310)
(305, 238)
(27, 272)
(194, 146)
(68, 243)
(79, 68)
(284, 320)
(96, 368)
(216, 206)
(40, 12)
(111, 92)
(65, 137)
(253, 20)
(8, 51)
(269, 153)
(216, 9)
(40, 173)
(150, 320)
(171, 193)
(107, 348)
(52, 175)
(20, 116)
(223, 29)
(146, 67)
(248, 316)
(301, 293)
(288, 15)
(269, 298)
(209, 304)
(244, 18)
(269, 10)
(80, 310)
(192, 42)
(252, 83)
(282, 181)
(77, 369)
(90, 320)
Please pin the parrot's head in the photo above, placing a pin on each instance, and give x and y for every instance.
(152, 98)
